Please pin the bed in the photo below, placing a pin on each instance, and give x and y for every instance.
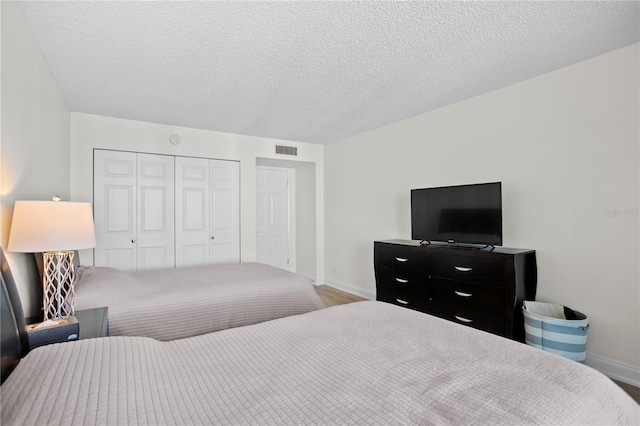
(170, 304)
(362, 363)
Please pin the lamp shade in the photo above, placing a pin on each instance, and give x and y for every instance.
(42, 226)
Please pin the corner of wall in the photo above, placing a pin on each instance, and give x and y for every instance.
(35, 135)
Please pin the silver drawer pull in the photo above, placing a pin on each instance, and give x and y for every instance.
(462, 268)
(400, 280)
(404, 302)
(461, 294)
(401, 259)
(462, 319)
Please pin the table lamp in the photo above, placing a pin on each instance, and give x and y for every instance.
(55, 228)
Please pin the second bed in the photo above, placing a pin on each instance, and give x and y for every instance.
(171, 304)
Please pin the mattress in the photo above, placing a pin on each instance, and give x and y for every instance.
(363, 363)
(172, 304)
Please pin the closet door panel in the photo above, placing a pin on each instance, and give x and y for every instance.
(155, 212)
(192, 211)
(115, 209)
(225, 211)
(153, 203)
(195, 254)
(154, 258)
(224, 253)
(123, 259)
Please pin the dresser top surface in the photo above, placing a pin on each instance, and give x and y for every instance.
(444, 248)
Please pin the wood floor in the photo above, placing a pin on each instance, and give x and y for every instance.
(332, 297)
(631, 390)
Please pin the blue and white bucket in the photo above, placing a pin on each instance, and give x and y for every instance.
(556, 328)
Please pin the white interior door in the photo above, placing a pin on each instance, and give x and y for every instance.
(272, 217)
(155, 212)
(224, 190)
(115, 209)
(192, 211)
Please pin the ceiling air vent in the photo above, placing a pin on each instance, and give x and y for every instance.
(287, 150)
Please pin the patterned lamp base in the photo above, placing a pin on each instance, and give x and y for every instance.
(58, 293)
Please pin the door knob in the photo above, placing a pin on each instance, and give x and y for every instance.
(212, 237)
(133, 241)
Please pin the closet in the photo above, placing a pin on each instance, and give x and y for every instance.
(207, 211)
(156, 211)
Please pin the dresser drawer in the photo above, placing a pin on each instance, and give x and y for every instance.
(481, 297)
(393, 278)
(472, 317)
(469, 269)
(403, 297)
(401, 258)
(409, 290)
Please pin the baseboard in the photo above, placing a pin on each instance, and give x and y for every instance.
(614, 369)
(360, 292)
(311, 278)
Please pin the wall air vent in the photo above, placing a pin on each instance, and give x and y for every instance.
(287, 150)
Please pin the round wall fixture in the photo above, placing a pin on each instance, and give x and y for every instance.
(175, 139)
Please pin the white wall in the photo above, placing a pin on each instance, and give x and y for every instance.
(34, 139)
(92, 131)
(564, 145)
(306, 219)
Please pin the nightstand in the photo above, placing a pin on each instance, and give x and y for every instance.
(87, 324)
(93, 323)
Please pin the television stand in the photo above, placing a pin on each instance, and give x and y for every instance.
(478, 288)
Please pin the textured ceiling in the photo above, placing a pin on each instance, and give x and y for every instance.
(309, 71)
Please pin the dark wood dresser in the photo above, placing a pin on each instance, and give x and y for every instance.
(481, 288)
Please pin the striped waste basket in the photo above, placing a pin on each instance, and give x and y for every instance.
(556, 328)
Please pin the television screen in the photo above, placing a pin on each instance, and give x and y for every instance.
(469, 214)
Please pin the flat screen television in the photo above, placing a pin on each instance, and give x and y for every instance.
(462, 214)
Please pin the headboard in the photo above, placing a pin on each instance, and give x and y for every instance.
(13, 332)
